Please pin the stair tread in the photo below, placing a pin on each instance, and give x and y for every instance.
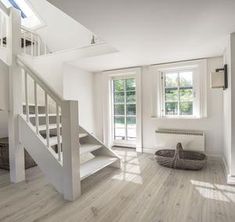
(94, 165)
(43, 115)
(53, 139)
(87, 148)
(31, 104)
(51, 126)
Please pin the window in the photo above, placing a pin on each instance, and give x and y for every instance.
(181, 90)
(124, 109)
(178, 93)
(15, 5)
(29, 18)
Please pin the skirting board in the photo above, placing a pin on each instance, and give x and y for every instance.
(229, 177)
(231, 180)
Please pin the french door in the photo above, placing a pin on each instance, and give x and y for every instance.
(124, 111)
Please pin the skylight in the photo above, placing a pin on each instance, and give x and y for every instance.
(29, 18)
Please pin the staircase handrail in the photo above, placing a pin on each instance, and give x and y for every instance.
(36, 77)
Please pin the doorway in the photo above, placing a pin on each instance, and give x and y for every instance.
(123, 116)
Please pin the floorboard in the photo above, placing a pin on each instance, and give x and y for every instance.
(142, 191)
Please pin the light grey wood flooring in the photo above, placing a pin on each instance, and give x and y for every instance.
(141, 191)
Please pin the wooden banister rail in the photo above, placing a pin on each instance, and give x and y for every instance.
(37, 46)
(36, 76)
(48, 93)
(66, 113)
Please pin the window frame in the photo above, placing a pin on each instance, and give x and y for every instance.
(163, 93)
(200, 77)
(126, 141)
(107, 105)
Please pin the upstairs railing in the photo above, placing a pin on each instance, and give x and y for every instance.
(32, 44)
(3, 29)
(4, 34)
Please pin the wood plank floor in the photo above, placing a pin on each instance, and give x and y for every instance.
(141, 191)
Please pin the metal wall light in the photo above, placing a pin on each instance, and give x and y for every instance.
(219, 78)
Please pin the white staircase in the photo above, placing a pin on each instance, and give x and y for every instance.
(42, 122)
(103, 156)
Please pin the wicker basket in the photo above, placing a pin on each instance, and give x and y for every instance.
(181, 159)
(4, 156)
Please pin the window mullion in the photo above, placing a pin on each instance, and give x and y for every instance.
(163, 104)
(125, 109)
(178, 94)
(113, 107)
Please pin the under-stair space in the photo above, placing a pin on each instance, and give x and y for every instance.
(98, 155)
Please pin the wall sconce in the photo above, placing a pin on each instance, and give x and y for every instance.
(219, 78)
(93, 42)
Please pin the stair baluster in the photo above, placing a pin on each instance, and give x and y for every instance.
(36, 107)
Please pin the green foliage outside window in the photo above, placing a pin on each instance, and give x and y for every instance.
(179, 93)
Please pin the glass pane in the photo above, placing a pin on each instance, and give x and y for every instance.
(131, 109)
(171, 108)
(119, 109)
(131, 128)
(186, 108)
(119, 128)
(16, 5)
(130, 97)
(118, 85)
(186, 79)
(130, 84)
(171, 80)
(119, 97)
(171, 95)
(186, 95)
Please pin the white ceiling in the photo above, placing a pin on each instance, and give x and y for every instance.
(154, 31)
(59, 31)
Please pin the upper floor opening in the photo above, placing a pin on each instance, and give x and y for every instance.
(29, 18)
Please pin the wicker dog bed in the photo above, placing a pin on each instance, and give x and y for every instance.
(181, 159)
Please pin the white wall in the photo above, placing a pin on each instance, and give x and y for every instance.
(233, 105)
(3, 99)
(229, 109)
(212, 125)
(78, 85)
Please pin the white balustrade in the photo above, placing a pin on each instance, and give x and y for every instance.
(32, 43)
(49, 94)
(67, 126)
(3, 27)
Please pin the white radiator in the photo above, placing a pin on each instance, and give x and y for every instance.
(190, 139)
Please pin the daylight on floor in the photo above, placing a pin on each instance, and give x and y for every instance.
(117, 111)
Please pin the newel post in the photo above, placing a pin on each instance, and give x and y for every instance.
(16, 151)
(70, 147)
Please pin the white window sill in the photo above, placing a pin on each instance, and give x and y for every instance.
(177, 117)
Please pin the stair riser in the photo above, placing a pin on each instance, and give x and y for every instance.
(42, 120)
(41, 109)
(53, 132)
